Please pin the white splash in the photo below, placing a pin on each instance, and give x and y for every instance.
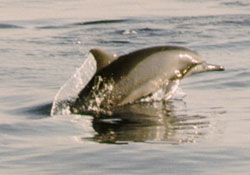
(69, 91)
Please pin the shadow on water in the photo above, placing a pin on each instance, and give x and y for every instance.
(147, 122)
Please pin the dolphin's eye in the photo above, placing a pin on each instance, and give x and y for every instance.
(178, 73)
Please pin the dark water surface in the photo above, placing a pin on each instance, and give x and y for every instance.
(41, 45)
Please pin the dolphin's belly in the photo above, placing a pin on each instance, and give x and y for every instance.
(144, 79)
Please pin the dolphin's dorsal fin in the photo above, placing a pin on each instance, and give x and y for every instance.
(102, 58)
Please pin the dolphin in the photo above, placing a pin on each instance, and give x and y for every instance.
(125, 79)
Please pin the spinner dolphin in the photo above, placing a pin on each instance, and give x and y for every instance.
(121, 80)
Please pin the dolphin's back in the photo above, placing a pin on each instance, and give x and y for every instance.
(125, 63)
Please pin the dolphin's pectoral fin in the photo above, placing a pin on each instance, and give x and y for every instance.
(103, 58)
(140, 92)
(164, 92)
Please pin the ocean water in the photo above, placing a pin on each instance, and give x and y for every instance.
(42, 44)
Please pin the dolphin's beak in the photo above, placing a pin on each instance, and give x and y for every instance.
(205, 67)
(213, 67)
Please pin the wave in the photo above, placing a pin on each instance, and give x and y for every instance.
(235, 4)
(114, 42)
(54, 27)
(98, 22)
(9, 26)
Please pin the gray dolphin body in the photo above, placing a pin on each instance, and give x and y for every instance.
(130, 77)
